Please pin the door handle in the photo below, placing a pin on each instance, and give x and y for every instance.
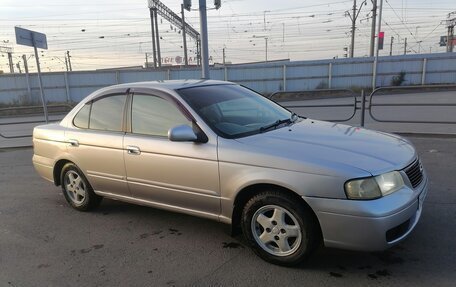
(74, 143)
(133, 150)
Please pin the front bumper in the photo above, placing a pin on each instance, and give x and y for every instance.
(371, 225)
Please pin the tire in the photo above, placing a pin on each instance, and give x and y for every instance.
(279, 229)
(77, 190)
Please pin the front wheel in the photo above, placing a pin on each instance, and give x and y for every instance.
(77, 190)
(279, 229)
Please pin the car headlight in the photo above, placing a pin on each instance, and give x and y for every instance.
(374, 187)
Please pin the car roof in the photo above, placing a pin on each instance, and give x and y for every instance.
(168, 85)
(171, 84)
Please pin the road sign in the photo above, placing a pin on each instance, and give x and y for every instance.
(443, 41)
(36, 40)
(30, 38)
(217, 4)
(381, 38)
(188, 5)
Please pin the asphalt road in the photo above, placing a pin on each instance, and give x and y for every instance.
(43, 242)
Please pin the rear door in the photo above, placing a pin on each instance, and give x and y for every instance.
(96, 143)
(177, 175)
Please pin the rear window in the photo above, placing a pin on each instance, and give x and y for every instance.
(107, 113)
(81, 120)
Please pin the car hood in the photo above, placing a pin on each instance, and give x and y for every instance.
(333, 146)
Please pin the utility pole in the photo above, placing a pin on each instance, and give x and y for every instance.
(66, 63)
(9, 52)
(405, 46)
(27, 76)
(24, 58)
(69, 61)
(379, 27)
(204, 40)
(374, 19)
(223, 56)
(353, 17)
(157, 36)
(391, 46)
(198, 52)
(40, 81)
(152, 28)
(10, 60)
(352, 46)
(450, 35)
(18, 66)
(266, 47)
(147, 61)
(184, 37)
(450, 38)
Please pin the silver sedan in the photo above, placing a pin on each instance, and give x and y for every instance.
(221, 151)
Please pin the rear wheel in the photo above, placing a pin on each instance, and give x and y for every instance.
(279, 229)
(77, 190)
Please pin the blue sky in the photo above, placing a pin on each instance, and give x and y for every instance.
(103, 34)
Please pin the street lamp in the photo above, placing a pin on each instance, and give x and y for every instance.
(419, 46)
(264, 19)
(266, 45)
(64, 62)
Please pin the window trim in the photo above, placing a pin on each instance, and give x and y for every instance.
(160, 94)
(166, 97)
(119, 92)
(88, 119)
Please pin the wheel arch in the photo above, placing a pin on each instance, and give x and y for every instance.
(58, 166)
(244, 195)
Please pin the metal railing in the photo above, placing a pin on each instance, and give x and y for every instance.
(25, 108)
(293, 96)
(401, 90)
(31, 112)
(24, 122)
(356, 102)
(369, 102)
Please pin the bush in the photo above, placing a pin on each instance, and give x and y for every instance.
(322, 85)
(398, 80)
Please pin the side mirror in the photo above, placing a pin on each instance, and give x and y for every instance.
(182, 133)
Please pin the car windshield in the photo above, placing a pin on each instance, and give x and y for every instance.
(233, 111)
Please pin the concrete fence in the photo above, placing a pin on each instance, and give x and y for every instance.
(422, 69)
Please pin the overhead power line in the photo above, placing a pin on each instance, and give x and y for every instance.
(401, 20)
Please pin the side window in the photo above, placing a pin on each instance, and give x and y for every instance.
(107, 113)
(81, 120)
(152, 115)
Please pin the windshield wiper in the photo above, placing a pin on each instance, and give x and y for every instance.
(274, 125)
(293, 118)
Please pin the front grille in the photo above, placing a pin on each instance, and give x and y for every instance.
(414, 173)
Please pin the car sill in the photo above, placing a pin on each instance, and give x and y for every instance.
(158, 205)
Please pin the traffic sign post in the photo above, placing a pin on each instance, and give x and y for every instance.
(36, 40)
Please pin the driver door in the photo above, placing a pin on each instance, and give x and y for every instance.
(175, 175)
